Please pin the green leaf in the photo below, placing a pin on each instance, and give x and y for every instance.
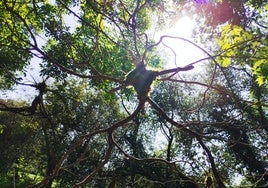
(226, 62)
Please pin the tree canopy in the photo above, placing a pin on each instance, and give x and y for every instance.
(88, 99)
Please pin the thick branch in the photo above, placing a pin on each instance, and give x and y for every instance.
(175, 70)
(81, 140)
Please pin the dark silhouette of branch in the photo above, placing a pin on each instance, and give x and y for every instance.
(186, 40)
(194, 134)
(28, 110)
(106, 159)
(175, 70)
(81, 140)
(212, 163)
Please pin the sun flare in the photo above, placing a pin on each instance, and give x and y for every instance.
(180, 53)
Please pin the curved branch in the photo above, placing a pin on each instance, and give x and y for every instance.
(67, 70)
(80, 141)
(197, 136)
(106, 159)
(186, 178)
(212, 163)
(196, 83)
(186, 40)
(87, 23)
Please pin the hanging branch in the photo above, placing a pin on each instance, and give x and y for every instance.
(81, 140)
(153, 160)
(194, 134)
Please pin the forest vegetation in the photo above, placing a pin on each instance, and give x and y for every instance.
(87, 98)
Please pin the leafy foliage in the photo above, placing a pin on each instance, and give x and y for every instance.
(85, 127)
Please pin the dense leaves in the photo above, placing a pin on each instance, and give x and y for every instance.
(83, 125)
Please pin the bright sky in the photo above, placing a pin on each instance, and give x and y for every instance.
(186, 53)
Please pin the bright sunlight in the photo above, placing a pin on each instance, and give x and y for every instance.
(180, 52)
